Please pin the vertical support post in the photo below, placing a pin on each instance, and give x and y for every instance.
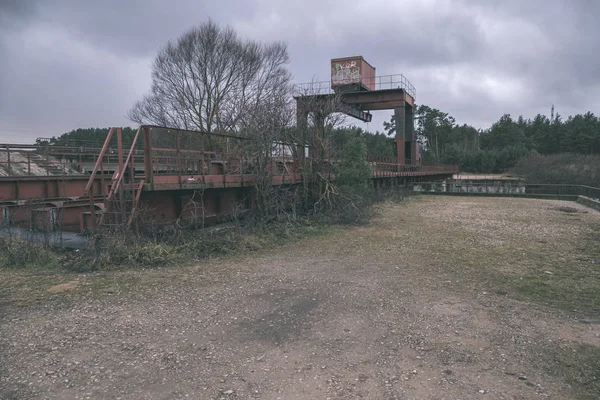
(414, 150)
(241, 144)
(179, 158)
(92, 211)
(399, 117)
(133, 165)
(409, 133)
(148, 157)
(120, 150)
(102, 179)
(28, 163)
(203, 165)
(400, 147)
(319, 136)
(302, 123)
(121, 171)
(132, 176)
(8, 159)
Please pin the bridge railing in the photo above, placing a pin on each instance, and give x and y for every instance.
(515, 185)
(389, 166)
(24, 160)
(563, 190)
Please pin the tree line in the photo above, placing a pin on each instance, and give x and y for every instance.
(499, 147)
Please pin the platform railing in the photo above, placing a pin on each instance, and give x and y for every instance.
(384, 82)
(390, 166)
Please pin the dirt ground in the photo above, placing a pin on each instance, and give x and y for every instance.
(437, 298)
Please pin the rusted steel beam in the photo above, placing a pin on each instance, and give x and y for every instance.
(120, 150)
(148, 155)
(99, 161)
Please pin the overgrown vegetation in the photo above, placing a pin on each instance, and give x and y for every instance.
(282, 216)
(178, 247)
(169, 246)
(499, 147)
(567, 168)
(16, 252)
(172, 245)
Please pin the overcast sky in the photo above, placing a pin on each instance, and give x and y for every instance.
(66, 64)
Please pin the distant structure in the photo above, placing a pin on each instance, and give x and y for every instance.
(194, 178)
(361, 91)
(552, 114)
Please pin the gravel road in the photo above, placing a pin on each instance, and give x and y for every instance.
(382, 311)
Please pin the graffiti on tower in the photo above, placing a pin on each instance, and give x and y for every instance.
(344, 73)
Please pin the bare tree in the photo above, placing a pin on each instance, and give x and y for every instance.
(319, 110)
(210, 79)
(266, 122)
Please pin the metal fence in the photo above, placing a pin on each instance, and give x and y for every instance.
(385, 82)
(513, 187)
(563, 190)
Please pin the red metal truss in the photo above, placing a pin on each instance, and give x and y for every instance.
(167, 173)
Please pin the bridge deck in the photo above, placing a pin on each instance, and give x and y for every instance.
(55, 185)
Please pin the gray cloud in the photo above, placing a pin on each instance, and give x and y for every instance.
(67, 63)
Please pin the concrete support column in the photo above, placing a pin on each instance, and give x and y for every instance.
(414, 151)
(409, 127)
(400, 119)
(412, 148)
(400, 146)
(318, 151)
(302, 125)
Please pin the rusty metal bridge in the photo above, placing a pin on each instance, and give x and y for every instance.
(170, 174)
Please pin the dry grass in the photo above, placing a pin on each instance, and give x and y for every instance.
(545, 251)
(493, 294)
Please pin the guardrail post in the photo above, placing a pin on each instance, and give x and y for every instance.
(148, 172)
(8, 159)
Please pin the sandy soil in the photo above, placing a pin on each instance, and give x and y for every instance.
(397, 309)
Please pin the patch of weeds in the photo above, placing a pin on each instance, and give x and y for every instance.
(564, 275)
(575, 292)
(125, 251)
(578, 365)
(16, 253)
